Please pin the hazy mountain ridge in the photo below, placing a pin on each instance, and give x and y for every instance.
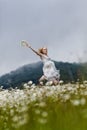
(68, 71)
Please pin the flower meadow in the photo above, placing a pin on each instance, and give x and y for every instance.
(44, 107)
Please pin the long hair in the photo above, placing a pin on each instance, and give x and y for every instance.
(40, 50)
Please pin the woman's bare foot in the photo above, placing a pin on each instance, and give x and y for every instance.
(55, 82)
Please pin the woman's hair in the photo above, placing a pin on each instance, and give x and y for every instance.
(41, 49)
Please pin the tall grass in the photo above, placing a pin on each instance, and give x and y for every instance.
(61, 107)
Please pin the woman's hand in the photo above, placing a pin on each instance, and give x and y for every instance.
(24, 43)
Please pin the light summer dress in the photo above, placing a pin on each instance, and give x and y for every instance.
(49, 69)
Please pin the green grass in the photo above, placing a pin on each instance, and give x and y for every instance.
(48, 112)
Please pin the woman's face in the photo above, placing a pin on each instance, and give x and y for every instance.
(44, 51)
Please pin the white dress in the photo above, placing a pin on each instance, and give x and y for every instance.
(49, 69)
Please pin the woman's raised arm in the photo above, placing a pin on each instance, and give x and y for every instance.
(38, 53)
(24, 43)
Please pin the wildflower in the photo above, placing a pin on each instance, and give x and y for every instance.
(75, 102)
(85, 82)
(26, 86)
(82, 86)
(42, 120)
(42, 104)
(44, 114)
(66, 97)
(83, 101)
(69, 88)
(49, 83)
(1, 87)
(37, 111)
(61, 82)
(30, 82)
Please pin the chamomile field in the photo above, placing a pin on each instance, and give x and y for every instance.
(46, 107)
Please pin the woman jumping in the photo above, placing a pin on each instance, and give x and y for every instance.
(50, 73)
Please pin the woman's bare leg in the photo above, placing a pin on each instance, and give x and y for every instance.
(55, 81)
(42, 78)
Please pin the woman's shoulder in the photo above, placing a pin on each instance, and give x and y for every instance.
(44, 56)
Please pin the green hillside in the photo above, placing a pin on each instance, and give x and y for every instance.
(69, 72)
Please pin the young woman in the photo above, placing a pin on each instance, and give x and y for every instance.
(50, 73)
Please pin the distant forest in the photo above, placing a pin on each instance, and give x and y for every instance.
(70, 72)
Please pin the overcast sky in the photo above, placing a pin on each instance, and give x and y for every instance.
(61, 25)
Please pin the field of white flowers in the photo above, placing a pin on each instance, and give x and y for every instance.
(46, 107)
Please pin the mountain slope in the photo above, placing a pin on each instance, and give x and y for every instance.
(68, 72)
